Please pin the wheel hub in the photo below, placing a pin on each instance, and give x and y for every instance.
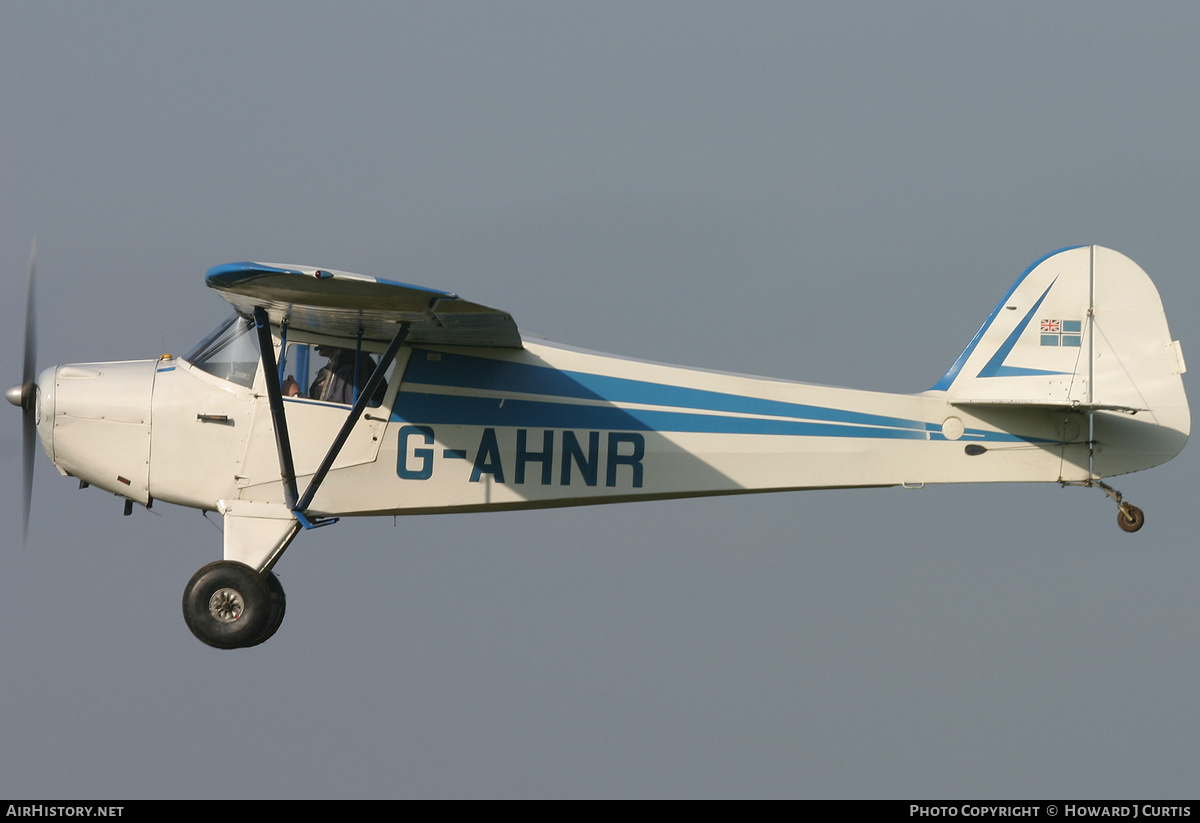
(226, 605)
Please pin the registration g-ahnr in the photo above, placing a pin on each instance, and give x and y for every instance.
(328, 394)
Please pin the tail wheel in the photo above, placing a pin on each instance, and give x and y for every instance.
(228, 606)
(1130, 518)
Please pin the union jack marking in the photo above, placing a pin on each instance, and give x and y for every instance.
(1065, 333)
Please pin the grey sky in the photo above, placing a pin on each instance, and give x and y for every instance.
(836, 193)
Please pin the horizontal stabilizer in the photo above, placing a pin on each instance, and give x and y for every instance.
(1051, 404)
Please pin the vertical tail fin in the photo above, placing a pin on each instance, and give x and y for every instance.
(1083, 328)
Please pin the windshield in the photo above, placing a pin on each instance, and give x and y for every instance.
(229, 352)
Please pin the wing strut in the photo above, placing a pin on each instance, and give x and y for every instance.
(283, 443)
(360, 405)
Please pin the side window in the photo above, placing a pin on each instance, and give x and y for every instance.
(329, 373)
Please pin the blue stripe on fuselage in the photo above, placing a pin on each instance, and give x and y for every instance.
(418, 407)
(486, 374)
(458, 371)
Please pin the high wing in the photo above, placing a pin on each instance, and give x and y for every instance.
(1073, 378)
(342, 304)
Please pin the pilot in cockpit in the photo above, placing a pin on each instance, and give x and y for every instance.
(334, 382)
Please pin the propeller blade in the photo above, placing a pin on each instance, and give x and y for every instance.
(27, 374)
(29, 404)
(28, 436)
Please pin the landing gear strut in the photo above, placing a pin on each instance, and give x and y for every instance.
(230, 606)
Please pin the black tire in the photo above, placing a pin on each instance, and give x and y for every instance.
(1130, 518)
(227, 605)
(278, 607)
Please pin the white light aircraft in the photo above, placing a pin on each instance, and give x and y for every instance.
(328, 394)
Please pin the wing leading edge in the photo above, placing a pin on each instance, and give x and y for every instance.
(342, 304)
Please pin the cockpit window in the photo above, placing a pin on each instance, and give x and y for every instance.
(331, 374)
(230, 352)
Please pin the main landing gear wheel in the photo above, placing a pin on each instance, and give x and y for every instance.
(1130, 518)
(278, 607)
(228, 605)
